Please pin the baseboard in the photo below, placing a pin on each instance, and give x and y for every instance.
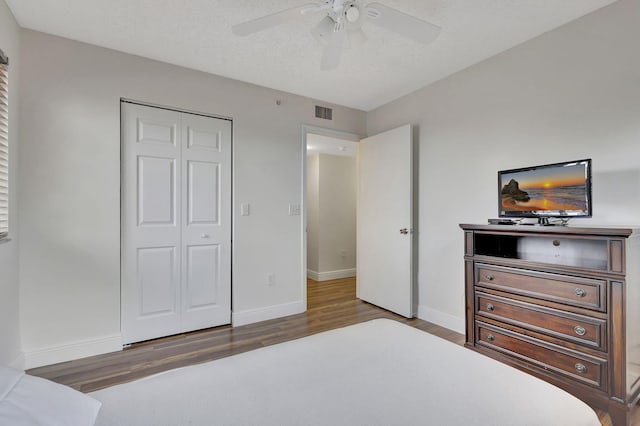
(314, 275)
(267, 313)
(68, 352)
(442, 319)
(331, 275)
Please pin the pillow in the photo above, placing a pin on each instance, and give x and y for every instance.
(32, 401)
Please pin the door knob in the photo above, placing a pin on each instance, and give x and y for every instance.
(404, 231)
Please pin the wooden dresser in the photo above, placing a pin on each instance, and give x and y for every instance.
(562, 303)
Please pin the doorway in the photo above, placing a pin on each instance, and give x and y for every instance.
(330, 204)
(386, 207)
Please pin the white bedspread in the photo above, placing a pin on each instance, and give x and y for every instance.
(376, 373)
(32, 401)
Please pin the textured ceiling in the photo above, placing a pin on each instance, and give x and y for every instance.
(197, 34)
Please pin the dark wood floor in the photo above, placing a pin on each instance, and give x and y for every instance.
(331, 304)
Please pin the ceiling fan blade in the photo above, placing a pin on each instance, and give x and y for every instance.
(399, 22)
(272, 20)
(356, 37)
(333, 51)
(315, 8)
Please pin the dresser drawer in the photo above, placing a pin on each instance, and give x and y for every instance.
(580, 329)
(576, 291)
(580, 367)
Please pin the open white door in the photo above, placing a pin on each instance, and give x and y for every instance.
(385, 221)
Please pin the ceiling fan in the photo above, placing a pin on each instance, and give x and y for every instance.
(342, 21)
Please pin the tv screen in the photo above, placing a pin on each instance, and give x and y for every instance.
(551, 190)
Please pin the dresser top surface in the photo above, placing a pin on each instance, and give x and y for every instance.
(609, 231)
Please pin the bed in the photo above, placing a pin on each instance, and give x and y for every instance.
(380, 372)
(31, 401)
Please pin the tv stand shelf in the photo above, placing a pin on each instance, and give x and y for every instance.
(562, 303)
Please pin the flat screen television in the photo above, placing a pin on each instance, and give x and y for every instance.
(559, 190)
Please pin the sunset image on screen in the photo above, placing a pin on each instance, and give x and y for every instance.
(544, 189)
(545, 179)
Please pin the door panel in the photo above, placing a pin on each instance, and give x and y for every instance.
(204, 138)
(206, 231)
(158, 281)
(150, 223)
(204, 193)
(176, 222)
(156, 191)
(203, 276)
(152, 131)
(385, 222)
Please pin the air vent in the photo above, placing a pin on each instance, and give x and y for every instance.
(324, 112)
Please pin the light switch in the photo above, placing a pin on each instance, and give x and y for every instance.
(244, 209)
(294, 209)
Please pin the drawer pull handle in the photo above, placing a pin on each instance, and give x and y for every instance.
(581, 368)
(489, 307)
(489, 277)
(580, 331)
(580, 292)
(490, 337)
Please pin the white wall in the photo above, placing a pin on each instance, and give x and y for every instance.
(313, 199)
(70, 185)
(572, 93)
(331, 216)
(9, 289)
(337, 218)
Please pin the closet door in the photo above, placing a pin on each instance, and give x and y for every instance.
(176, 224)
(150, 223)
(206, 224)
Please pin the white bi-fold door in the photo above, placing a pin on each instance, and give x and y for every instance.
(176, 222)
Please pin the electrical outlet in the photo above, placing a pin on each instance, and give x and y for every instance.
(271, 279)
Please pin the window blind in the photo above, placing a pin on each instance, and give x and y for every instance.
(4, 146)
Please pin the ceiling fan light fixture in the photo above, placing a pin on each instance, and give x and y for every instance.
(324, 29)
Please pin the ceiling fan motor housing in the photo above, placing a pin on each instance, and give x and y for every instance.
(352, 13)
